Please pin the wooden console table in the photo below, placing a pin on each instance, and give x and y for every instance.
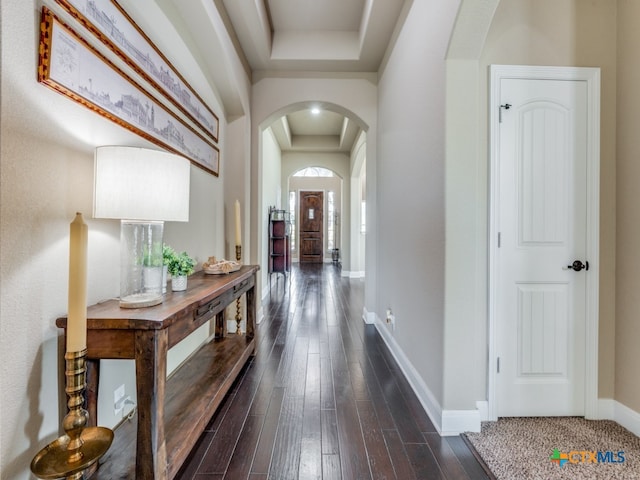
(173, 412)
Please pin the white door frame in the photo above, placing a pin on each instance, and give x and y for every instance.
(592, 78)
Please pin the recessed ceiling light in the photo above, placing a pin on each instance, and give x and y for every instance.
(315, 110)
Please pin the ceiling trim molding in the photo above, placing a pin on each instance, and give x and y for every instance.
(296, 74)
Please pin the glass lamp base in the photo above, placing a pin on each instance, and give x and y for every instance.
(140, 263)
(140, 300)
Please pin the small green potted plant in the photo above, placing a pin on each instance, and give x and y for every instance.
(180, 266)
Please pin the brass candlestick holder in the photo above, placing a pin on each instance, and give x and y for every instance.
(238, 308)
(71, 454)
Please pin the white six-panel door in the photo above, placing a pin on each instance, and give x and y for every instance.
(541, 224)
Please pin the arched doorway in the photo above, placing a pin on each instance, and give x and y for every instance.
(293, 139)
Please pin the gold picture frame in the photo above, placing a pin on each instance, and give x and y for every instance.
(71, 66)
(111, 24)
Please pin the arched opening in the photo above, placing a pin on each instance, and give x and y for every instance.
(303, 150)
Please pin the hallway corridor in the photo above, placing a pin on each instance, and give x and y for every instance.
(323, 399)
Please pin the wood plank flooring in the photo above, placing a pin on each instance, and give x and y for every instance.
(323, 399)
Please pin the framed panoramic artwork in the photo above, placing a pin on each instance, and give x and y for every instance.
(71, 66)
(108, 21)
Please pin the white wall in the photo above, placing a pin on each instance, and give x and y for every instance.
(358, 182)
(466, 243)
(46, 156)
(627, 327)
(410, 185)
(271, 195)
(235, 175)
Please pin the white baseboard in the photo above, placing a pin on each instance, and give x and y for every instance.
(351, 274)
(446, 422)
(629, 419)
(368, 317)
(483, 410)
(260, 315)
(458, 421)
(610, 409)
(455, 422)
(606, 409)
(426, 398)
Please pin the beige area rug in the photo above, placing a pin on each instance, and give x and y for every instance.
(550, 448)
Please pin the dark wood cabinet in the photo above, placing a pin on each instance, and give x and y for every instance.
(279, 242)
(172, 412)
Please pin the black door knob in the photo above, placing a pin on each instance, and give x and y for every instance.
(578, 265)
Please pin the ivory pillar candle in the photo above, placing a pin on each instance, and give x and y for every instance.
(77, 316)
(238, 230)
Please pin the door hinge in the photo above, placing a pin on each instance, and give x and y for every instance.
(506, 106)
(498, 365)
(499, 239)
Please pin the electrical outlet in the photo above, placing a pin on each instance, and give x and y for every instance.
(391, 319)
(118, 400)
(128, 407)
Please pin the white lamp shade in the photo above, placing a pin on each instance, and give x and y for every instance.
(140, 184)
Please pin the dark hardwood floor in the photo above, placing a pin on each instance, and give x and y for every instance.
(323, 399)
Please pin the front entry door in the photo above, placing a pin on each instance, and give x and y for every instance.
(311, 214)
(542, 229)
